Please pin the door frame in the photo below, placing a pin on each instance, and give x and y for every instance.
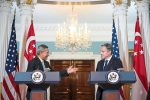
(75, 56)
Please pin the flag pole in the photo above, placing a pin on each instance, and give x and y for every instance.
(32, 17)
(15, 12)
(113, 15)
(137, 13)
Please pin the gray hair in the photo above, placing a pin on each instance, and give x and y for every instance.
(108, 46)
(41, 48)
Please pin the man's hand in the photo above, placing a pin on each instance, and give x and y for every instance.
(71, 70)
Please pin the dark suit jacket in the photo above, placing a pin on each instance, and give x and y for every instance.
(113, 64)
(36, 64)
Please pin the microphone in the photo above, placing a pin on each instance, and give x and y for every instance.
(120, 69)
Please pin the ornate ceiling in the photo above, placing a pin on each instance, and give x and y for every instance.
(75, 2)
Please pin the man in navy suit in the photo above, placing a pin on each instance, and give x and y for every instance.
(40, 63)
(107, 63)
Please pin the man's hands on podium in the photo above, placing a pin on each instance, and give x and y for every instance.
(72, 69)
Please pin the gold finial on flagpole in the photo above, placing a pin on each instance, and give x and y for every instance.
(118, 2)
(29, 2)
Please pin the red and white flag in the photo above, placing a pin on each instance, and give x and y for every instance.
(29, 50)
(140, 88)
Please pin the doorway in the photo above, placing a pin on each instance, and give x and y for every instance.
(75, 86)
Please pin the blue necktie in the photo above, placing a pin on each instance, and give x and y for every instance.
(105, 65)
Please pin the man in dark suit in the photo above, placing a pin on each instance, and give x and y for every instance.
(107, 63)
(40, 63)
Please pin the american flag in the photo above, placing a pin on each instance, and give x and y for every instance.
(140, 87)
(115, 50)
(10, 90)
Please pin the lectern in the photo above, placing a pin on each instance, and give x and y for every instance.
(111, 82)
(38, 82)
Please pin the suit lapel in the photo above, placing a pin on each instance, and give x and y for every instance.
(39, 64)
(102, 65)
(110, 64)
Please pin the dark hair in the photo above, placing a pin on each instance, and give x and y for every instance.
(108, 46)
(41, 48)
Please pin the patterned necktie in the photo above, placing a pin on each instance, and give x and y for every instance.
(105, 65)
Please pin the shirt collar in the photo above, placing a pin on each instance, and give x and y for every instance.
(41, 59)
(109, 58)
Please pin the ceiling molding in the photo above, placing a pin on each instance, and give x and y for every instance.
(88, 2)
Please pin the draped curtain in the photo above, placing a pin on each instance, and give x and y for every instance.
(120, 15)
(5, 27)
(143, 13)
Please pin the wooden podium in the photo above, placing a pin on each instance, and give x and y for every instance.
(111, 82)
(38, 82)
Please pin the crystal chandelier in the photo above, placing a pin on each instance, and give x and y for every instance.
(71, 35)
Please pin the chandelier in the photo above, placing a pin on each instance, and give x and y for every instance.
(71, 35)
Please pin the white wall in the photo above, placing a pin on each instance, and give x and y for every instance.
(98, 17)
